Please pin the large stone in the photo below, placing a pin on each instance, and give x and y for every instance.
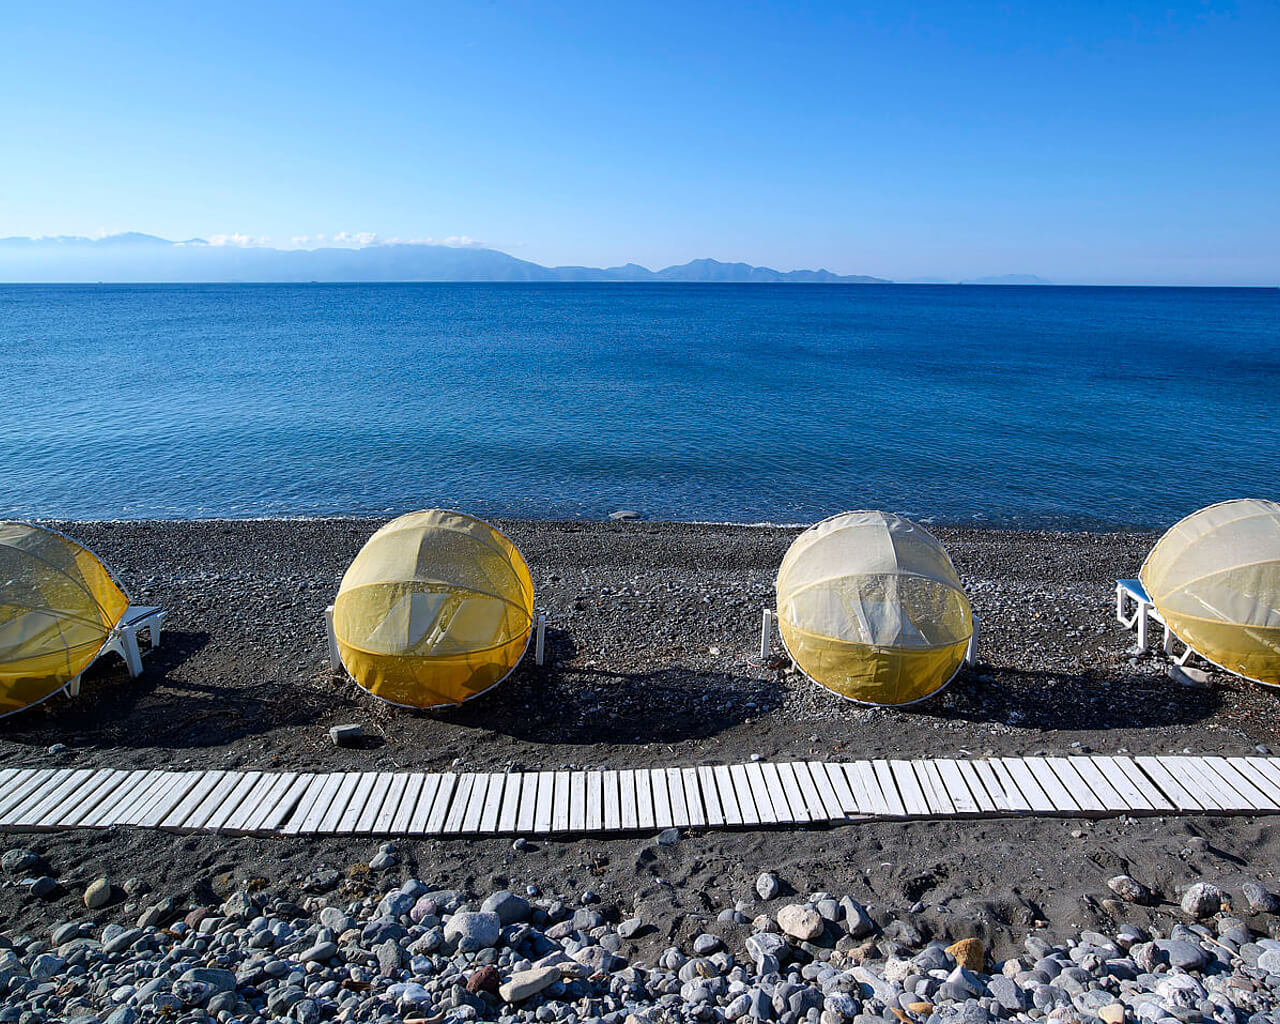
(347, 735)
(98, 894)
(121, 941)
(1259, 899)
(17, 861)
(217, 979)
(473, 931)
(800, 921)
(509, 907)
(1129, 889)
(1180, 953)
(768, 886)
(523, 984)
(1202, 900)
(968, 953)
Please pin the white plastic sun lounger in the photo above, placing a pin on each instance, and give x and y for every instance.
(124, 639)
(1143, 614)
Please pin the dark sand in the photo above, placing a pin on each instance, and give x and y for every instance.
(653, 636)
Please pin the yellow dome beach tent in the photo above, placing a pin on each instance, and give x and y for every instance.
(60, 609)
(870, 606)
(1214, 581)
(435, 609)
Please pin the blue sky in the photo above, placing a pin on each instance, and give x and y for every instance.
(1085, 142)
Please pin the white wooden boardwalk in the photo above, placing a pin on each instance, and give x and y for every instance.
(633, 800)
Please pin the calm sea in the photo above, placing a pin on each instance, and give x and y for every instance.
(1013, 406)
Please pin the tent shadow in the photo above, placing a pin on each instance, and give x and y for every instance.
(555, 703)
(1064, 701)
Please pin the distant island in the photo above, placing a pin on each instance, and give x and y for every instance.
(134, 258)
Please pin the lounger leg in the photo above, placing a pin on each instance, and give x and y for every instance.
(335, 659)
(156, 625)
(971, 651)
(540, 643)
(73, 687)
(1142, 626)
(132, 656)
(1120, 606)
(766, 633)
(1168, 639)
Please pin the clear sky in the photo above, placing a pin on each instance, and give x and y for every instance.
(1082, 141)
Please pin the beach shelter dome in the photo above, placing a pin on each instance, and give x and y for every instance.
(1214, 578)
(58, 606)
(870, 606)
(435, 609)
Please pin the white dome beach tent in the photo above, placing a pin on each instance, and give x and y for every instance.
(60, 610)
(1212, 581)
(870, 606)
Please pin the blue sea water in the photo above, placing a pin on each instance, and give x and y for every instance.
(1059, 407)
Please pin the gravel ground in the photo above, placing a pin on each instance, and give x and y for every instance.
(654, 629)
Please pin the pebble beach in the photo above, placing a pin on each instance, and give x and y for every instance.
(652, 659)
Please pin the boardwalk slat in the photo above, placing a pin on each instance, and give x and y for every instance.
(232, 801)
(1261, 781)
(81, 799)
(213, 799)
(473, 813)
(1179, 772)
(26, 782)
(1131, 783)
(560, 809)
(711, 804)
(106, 806)
(935, 792)
(986, 772)
(662, 817)
(728, 794)
(182, 810)
(265, 793)
(1258, 800)
(675, 792)
(415, 808)
(530, 797)
(627, 799)
(1199, 779)
(577, 801)
(693, 798)
(361, 792)
(893, 800)
(986, 803)
(105, 793)
(414, 783)
(609, 797)
(866, 791)
(434, 815)
(1268, 766)
(913, 799)
(492, 804)
(742, 797)
(457, 811)
(62, 785)
(329, 821)
(391, 800)
(544, 817)
(595, 801)
(820, 798)
(509, 815)
(169, 790)
(307, 801)
(765, 813)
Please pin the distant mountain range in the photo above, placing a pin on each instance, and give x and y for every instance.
(139, 258)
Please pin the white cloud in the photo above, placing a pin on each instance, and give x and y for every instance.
(239, 240)
(364, 239)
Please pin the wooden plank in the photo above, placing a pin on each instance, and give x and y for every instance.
(1020, 772)
(964, 801)
(1086, 799)
(817, 772)
(457, 811)
(661, 799)
(627, 799)
(986, 803)
(312, 804)
(1250, 771)
(1095, 778)
(1268, 766)
(28, 781)
(1052, 786)
(611, 810)
(675, 793)
(530, 800)
(1018, 803)
(232, 802)
(711, 805)
(986, 772)
(1206, 796)
(560, 809)
(728, 795)
(760, 798)
(743, 797)
(388, 804)
(1258, 800)
(577, 801)
(1131, 782)
(840, 783)
(474, 814)
(544, 819)
(492, 803)
(213, 800)
(366, 824)
(1167, 784)
(791, 793)
(83, 799)
(693, 798)
(195, 796)
(935, 791)
(509, 816)
(913, 798)
(889, 789)
(433, 815)
(356, 803)
(595, 801)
